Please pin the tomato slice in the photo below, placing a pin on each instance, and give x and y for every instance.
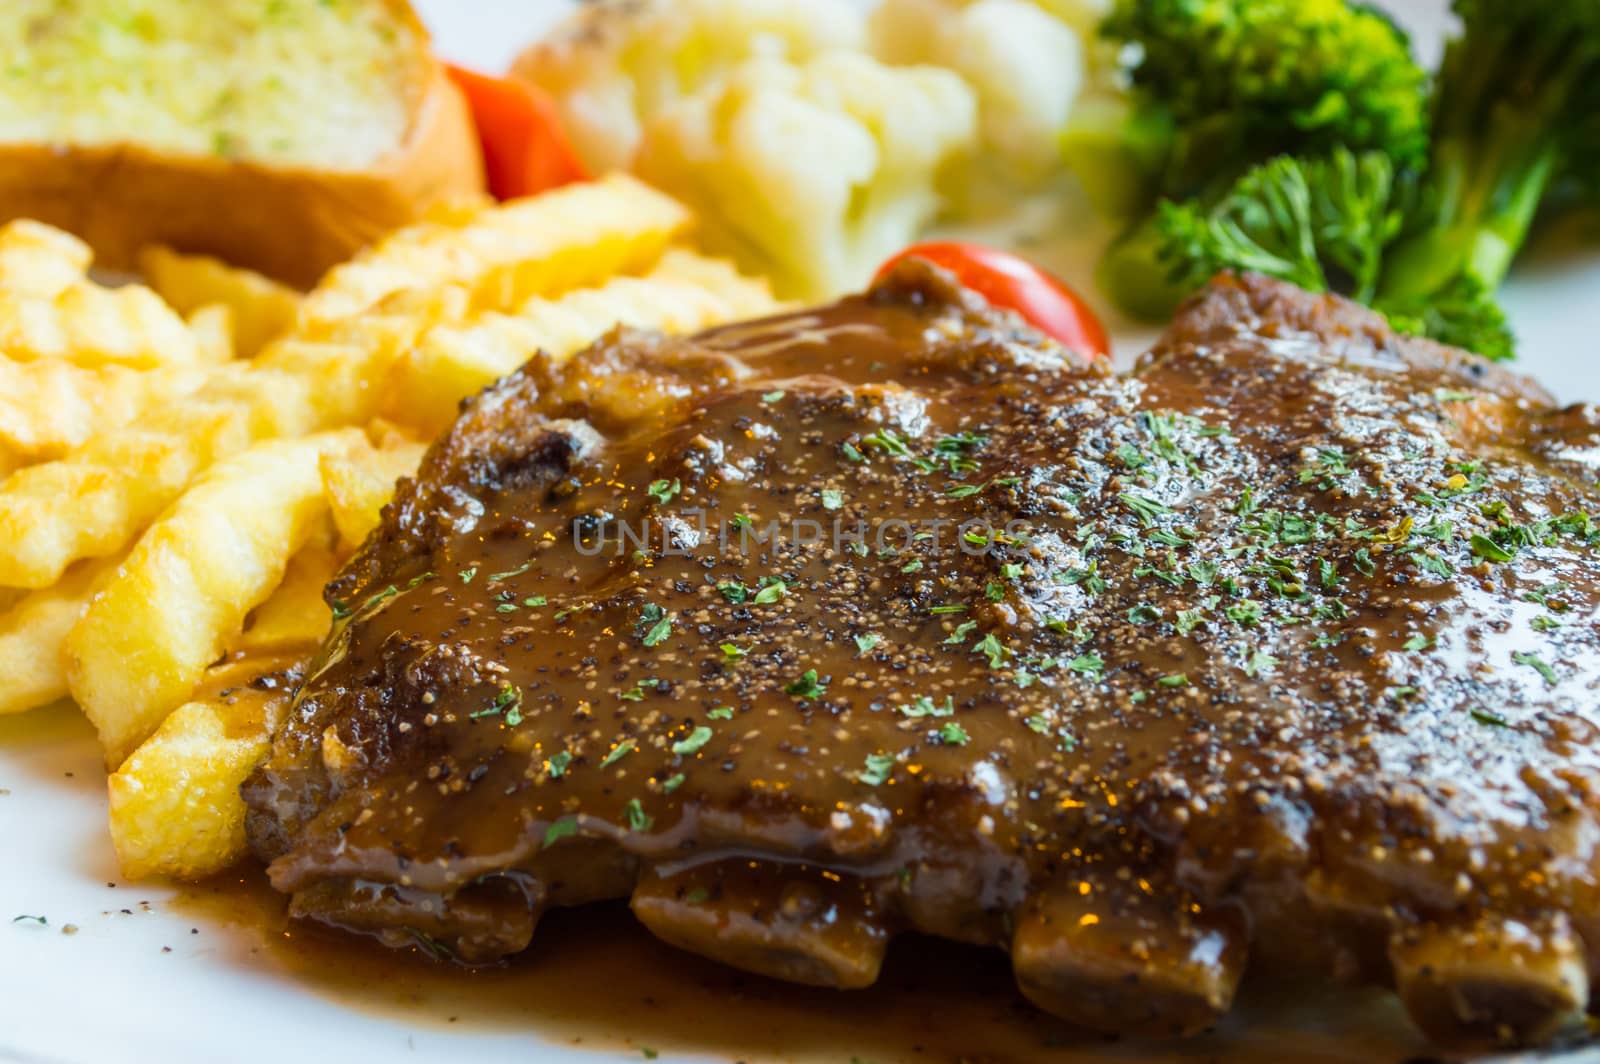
(1012, 282)
(525, 148)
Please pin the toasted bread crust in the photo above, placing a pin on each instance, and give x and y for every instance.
(291, 223)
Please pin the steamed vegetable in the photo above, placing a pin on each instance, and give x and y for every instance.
(1026, 65)
(1515, 107)
(1330, 225)
(1220, 86)
(812, 173)
(616, 64)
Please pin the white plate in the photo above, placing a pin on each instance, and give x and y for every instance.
(150, 975)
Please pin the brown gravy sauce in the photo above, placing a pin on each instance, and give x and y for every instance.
(595, 979)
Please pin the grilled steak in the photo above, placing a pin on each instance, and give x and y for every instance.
(891, 615)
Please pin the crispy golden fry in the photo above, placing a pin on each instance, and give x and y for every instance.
(683, 293)
(360, 480)
(51, 406)
(94, 326)
(95, 500)
(32, 632)
(185, 590)
(263, 309)
(573, 236)
(175, 805)
(39, 260)
(295, 615)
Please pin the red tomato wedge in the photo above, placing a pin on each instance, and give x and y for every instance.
(1012, 282)
(525, 148)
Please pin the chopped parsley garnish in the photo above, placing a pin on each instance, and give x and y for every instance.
(1489, 550)
(866, 642)
(620, 751)
(912, 567)
(887, 441)
(1091, 665)
(771, 591)
(851, 452)
(663, 490)
(993, 649)
(533, 602)
(1493, 720)
(509, 573)
(832, 498)
(1538, 664)
(720, 713)
(1038, 723)
(963, 630)
(953, 734)
(735, 592)
(692, 742)
(1146, 508)
(1177, 679)
(467, 574)
(659, 631)
(558, 764)
(672, 783)
(1143, 614)
(773, 397)
(879, 768)
(807, 686)
(730, 652)
(1246, 613)
(638, 819)
(1259, 662)
(1417, 642)
(560, 829)
(923, 706)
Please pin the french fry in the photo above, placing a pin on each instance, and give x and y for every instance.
(570, 237)
(94, 326)
(32, 633)
(95, 500)
(51, 406)
(175, 804)
(295, 615)
(263, 309)
(39, 260)
(144, 643)
(683, 293)
(360, 480)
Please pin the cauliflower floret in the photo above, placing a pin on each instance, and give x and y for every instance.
(1026, 64)
(815, 172)
(615, 64)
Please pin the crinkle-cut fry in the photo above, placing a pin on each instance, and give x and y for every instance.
(175, 804)
(93, 326)
(32, 633)
(359, 481)
(572, 236)
(48, 407)
(40, 260)
(685, 292)
(296, 614)
(263, 310)
(97, 499)
(186, 587)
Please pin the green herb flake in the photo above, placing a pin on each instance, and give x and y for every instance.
(509, 573)
(807, 686)
(558, 764)
(720, 713)
(1148, 510)
(731, 653)
(953, 734)
(1175, 680)
(638, 819)
(1489, 550)
(773, 397)
(1538, 664)
(618, 752)
(560, 829)
(866, 642)
(1417, 642)
(771, 592)
(672, 783)
(664, 490)
(878, 769)
(467, 574)
(832, 498)
(1259, 662)
(692, 742)
(923, 706)
(1493, 720)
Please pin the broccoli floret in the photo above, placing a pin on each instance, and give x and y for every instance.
(1222, 85)
(1326, 225)
(1514, 109)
